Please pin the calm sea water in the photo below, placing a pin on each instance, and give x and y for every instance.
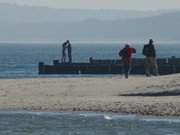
(23, 123)
(21, 60)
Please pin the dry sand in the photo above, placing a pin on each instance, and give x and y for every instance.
(100, 94)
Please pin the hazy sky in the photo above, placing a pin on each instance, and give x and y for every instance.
(103, 4)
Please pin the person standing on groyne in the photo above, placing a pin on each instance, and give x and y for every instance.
(126, 55)
(69, 47)
(150, 62)
(64, 46)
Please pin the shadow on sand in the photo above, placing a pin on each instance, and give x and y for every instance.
(155, 94)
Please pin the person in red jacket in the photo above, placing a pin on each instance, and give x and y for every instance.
(126, 55)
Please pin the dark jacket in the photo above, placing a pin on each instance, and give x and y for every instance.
(149, 50)
(126, 54)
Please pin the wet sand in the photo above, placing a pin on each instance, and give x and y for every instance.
(158, 96)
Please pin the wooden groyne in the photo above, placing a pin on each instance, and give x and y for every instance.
(109, 66)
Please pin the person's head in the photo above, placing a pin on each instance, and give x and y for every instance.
(151, 41)
(67, 41)
(127, 46)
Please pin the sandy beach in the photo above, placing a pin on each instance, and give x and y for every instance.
(158, 96)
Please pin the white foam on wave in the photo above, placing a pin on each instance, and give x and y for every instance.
(91, 114)
(109, 116)
(120, 117)
(130, 117)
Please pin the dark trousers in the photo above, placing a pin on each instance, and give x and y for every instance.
(70, 58)
(63, 58)
(126, 69)
(151, 64)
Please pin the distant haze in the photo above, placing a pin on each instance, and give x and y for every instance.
(41, 24)
(102, 4)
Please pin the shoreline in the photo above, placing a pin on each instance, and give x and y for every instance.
(92, 94)
(105, 115)
(86, 114)
(140, 110)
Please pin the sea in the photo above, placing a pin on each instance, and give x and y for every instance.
(21, 60)
(47, 123)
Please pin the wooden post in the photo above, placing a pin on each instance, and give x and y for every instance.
(167, 60)
(41, 67)
(91, 60)
(55, 62)
(109, 68)
(173, 58)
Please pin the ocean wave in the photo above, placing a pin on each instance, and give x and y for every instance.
(105, 116)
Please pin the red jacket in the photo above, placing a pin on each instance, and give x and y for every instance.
(126, 54)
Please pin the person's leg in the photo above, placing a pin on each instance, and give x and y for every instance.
(63, 59)
(154, 67)
(70, 58)
(147, 66)
(126, 70)
(130, 68)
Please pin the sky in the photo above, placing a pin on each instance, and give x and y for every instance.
(102, 4)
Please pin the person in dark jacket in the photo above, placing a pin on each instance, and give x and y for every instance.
(126, 55)
(150, 62)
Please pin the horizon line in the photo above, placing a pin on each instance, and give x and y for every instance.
(92, 42)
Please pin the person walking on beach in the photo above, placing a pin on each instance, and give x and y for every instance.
(126, 55)
(150, 61)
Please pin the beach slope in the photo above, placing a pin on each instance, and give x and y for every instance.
(158, 96)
